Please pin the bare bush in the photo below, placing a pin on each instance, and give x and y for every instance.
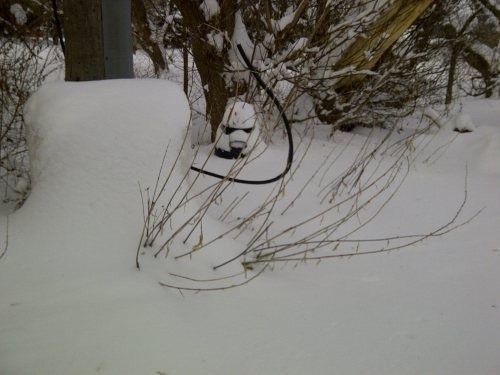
(331, 208)
(24, 65)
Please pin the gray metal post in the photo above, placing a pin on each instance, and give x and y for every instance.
(117, 39)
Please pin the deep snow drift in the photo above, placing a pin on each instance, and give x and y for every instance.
(72, 302)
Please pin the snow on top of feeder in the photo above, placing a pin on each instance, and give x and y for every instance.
(239, 115)
(461, 123)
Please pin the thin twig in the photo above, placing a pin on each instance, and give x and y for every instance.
(193, 289)
(6, 244)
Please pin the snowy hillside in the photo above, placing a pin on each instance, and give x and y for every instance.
(73, 302)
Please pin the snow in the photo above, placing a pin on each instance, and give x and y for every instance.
(295, 46)
(216, 39)
(458, 121)
(461, 123)
(283, 22)
(210, 8)
(239, 115)
(72, 301)
(240, 37)
(19, 14)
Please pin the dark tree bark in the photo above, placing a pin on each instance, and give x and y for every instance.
(479, 63)
(471, 57)
(455, 53)
(84, 60)
(210, 62)
(98, 40)
(143, 34)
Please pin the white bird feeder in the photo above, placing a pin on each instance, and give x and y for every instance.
(239, 131)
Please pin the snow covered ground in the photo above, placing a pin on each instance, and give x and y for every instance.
(72, 301)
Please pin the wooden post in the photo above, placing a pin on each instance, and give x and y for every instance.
(83, 33)
(98, 40)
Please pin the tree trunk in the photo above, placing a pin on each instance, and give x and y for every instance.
(84, 60)
(479, 63)
(98, 40)
(210, 61)
(381, 35)
(185, 63)
(451, 73)
(494, 9)
(367, 49)
(143, 34)
(471, 57)
(211, 68)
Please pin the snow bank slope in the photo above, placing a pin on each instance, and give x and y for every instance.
(91, 145)
(67, 282)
